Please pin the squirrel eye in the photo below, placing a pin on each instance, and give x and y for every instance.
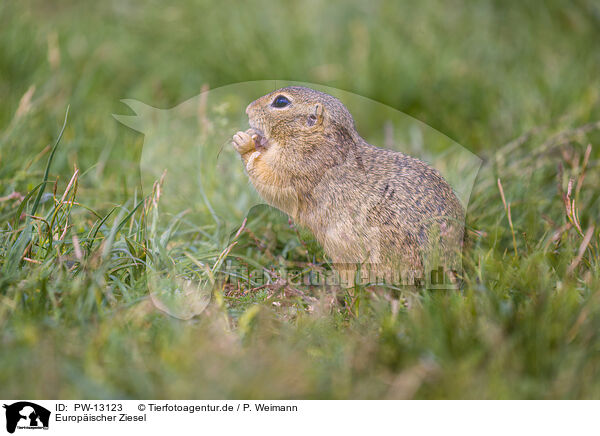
(280, 101)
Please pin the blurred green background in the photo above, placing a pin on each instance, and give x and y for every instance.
(515, 81)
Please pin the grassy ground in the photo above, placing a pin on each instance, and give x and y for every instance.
(516, 82)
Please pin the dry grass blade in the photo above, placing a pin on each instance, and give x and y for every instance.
(25, 103)
(507, 209)
(584, 244)
(12, 196)
(570, 209)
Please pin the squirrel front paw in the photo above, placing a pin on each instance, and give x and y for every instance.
(250, 162)
(243, 142)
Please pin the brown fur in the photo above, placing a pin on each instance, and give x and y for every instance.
(364, 204)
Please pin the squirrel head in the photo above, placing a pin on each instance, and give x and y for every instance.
(299, 117)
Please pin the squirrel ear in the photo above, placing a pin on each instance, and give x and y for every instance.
(319, 113)
(316, 118)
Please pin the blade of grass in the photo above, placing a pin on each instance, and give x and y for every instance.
(47, 171)
(116, 229)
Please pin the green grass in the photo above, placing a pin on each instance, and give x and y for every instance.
(515, 82)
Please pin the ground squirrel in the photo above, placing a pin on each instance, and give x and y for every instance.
(365, 205)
